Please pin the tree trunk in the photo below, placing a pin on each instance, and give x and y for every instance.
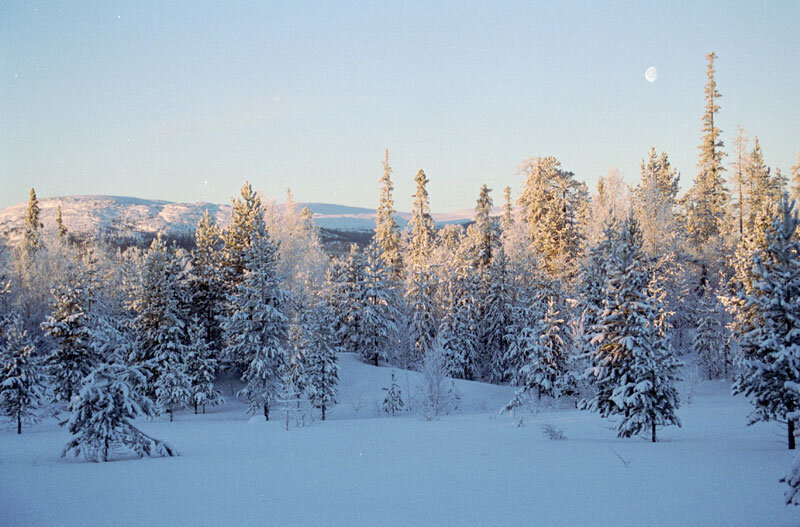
(266, 411)
(195, 407)
(653, 431)
(376, 359)
(323, 411)
(19, 422)
(791, 433)
(170, 415)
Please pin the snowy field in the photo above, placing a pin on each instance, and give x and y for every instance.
(470, 468)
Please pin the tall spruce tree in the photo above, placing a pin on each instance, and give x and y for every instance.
(739, 177)
(770, 340)
(61, 229)
(763, 192)
(458, 329)
(507, 220)
(206, 280)
(420, 241)
(387, 234)
(352, 287)
(483, 222)
(496, 322)
(706, 200)
(247, 216)
(31, 231)
(158, 324)
(255, 330)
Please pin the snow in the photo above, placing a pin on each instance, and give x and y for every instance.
(362, 468)
(124, 215)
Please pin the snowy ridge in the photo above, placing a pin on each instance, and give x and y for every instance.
(129, 216)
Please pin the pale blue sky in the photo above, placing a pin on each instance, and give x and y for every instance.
(183, 101)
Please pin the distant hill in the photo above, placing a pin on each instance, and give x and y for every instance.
(119, 217)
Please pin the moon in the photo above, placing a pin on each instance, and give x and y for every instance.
(651, 74)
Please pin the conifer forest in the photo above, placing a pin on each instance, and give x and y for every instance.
(564, 342)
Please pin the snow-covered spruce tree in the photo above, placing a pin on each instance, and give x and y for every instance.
(497, 304)
(792, 494)
(335, 291)
(206, 281)
(710, 344)
(632, 367)
(255, 330)
(591, 288)
(201, 367)
(421, 237)
(31, 233)
(158, 326)
(546, 371)
(763, 191)
(173, 386)
(393, 402)
(422, 320)
(507, 219)
(377, 308)
(71, 358)
(246, 217)
(770, 341)
(103, 412)
(321, 362)
(21, 378)
(387, 234)
(61, 229)
(351, 286)
(522, 335)
(705, 201)
(458, 329)
(483, 222)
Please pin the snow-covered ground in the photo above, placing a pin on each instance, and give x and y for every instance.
(360, 468)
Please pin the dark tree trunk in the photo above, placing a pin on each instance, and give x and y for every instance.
(195, 407)
(19, 422)
(171, 414)
(653, 431)
(376, 359)
(790, 427)
(323, 411)
(266, 411)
